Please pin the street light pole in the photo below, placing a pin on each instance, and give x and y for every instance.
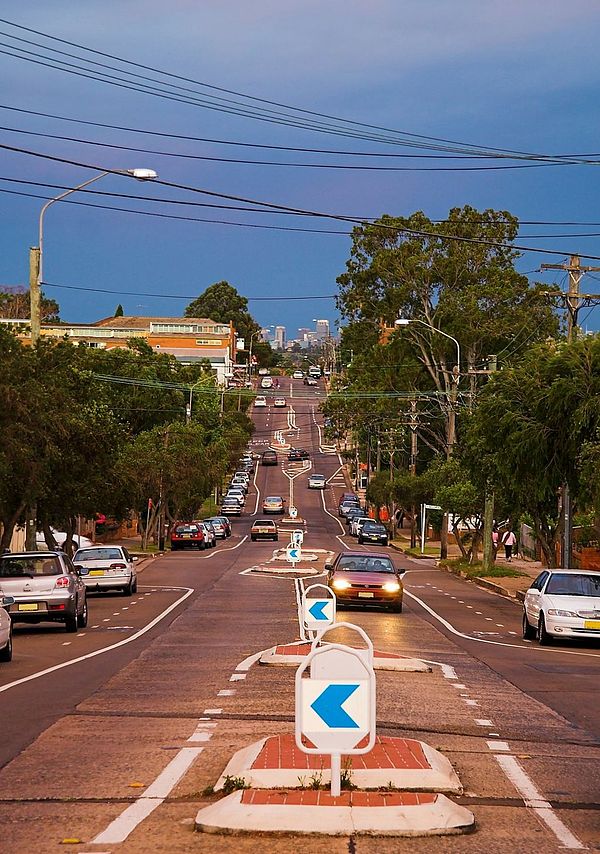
(36, 253)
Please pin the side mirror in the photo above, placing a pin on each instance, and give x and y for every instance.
(7, 601)
(328, 565)
(81, 570)
(134, 558)
(401, 572)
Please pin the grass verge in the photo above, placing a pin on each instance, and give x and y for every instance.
(476, 570)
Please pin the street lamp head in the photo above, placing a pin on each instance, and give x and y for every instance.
(402, 321)
(142, 174)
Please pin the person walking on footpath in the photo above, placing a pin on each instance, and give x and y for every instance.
(509, 541)
(495, 541)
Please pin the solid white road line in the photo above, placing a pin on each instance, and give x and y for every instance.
(119, 829)
(257, 490)
(105, 649)
(247, 663)
(331, 514)
(534, 800)
(220, 551)
(520, 647)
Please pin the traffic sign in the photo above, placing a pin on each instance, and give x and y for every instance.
(319, 612)
(293, 512)
(293, 554)
(298, 536)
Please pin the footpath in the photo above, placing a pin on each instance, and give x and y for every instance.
(510, 585)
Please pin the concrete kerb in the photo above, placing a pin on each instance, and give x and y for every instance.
(397, 814)
(381, 661)
(439, 776)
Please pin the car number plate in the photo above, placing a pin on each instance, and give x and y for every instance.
(365, 595)
(187, 536)
(591, 624)
(96, 572)
(28, 606)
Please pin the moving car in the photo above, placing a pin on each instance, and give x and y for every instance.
(562, 603)
(187, 535)
(221, 526)
(266, 382)
(279, 402)
(298, 454)
(365, 578)
(45, 586)
(317, 481)
(231, 507)
(373, 532)
(311, 381)
(297, 375)
(264, 529)
(107, 568)
(5, 628)
(269, 458)
(260, 400)
(262, 372)
(273, 504)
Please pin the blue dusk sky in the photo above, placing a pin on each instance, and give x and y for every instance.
(522, 75)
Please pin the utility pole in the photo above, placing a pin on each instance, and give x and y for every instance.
(34, 294)
(573, 300)
(414, 423)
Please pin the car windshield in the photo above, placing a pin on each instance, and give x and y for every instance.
(264, 523)
(275, 498)
(97, 554)
(358, 563)
(186, 529)
(566, 584)
(375, 527)
(29, 567)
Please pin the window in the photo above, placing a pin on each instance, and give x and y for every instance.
(97, 554)
(540, 581)
(356, 563)
(28, 567)
(574, 584)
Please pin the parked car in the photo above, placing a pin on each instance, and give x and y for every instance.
(273, 504)
(238, 483)
(260, 400)
(269, 458)
(6, 648)
(348, 504)
(562, 603)
(349, 496)
(238, 493)
(107, 568)
(373, 532)
(280, 402)
(298, 454)
(297, 375)
(264, 529)
(353, 513)
(231, 507)
(187, 535)
(45, 586)
(210, 537)
(221, 526)
(60, 536)
(365, 578)
(358, 521)
(317, 481)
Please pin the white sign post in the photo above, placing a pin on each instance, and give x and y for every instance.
(424, 509)
(298, 537)
(335, 711)
(318, 612)
(293, 513)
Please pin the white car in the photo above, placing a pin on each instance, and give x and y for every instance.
(105, 567)
(262, 372)
(60, 537)
(266, 382)
(297, 375)
(279, 402)
(261, 400)
(317, 481)
(562, 603)
(5, 628)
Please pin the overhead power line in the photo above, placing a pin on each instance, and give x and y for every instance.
(189, 297)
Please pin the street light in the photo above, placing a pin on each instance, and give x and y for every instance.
(36, 253)
(405, 321)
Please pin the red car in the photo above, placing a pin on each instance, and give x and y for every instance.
(187, 535)
(365, 578)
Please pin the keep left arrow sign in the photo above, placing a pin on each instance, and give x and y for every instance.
(317, 610)
(328, 706)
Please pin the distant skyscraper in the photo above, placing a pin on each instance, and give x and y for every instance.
(322, 329)
(279, 340)
(265, 333)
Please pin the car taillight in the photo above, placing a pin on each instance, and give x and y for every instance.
(118, 566)
(62, 581)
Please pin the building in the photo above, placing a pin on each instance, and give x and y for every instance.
(279, 340)
(322, 329)
(188, 339)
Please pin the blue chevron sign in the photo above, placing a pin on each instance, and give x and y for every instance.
(328, 706)
(317, 610)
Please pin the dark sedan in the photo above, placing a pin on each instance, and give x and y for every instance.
(365, 578)
(373, 532)
(298, 454)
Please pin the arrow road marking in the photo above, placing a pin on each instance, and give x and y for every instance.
(328, 706)
(316, 610)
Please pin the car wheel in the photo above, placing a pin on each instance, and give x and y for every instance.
(275, 538)
(384, 543)
(528, 630)
(360, 540)
(128, 589)
(71, 621)
(214, 543)
(134, 588)
(7, 650)
(542, 635)
(397, 607)
(82, 619)
(253, 539)
(202, 546)
(174, 547)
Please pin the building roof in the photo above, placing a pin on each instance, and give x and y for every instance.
(136, 322)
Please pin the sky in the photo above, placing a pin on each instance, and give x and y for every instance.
(513, 75)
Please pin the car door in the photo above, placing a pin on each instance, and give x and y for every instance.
(129, 561)
(77, 580)
(533, 597)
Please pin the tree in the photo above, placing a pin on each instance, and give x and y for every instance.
(119, 311)
(222, 303)
(14, 304)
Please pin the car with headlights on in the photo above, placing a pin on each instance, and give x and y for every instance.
(280, 402)
(105, 567)
(45, 586)
(317, 481)
(373, 532)
(260, 400)
(365, 579)
(264, 529)
(562, 603)
(273, 504)
(297, 454)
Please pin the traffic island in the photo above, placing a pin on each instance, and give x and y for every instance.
(394, 763)
(293, 654)
(311, 812)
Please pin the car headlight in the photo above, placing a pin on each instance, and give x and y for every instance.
(558, 612)
(391, 587)
(340, 584)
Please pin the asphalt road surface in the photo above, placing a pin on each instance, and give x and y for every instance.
(90, 721)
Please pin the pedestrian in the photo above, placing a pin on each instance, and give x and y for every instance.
(508, 541)
(495, 541)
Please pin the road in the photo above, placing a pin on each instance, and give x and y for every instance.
(165, 687)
